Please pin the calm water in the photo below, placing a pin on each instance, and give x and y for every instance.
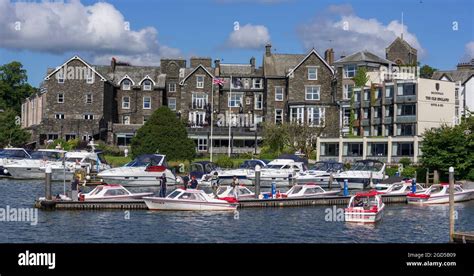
(401, 223)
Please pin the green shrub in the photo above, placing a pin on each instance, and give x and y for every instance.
(224, 161)
(409, 172)
(391, 171)
(405, 161)
(470, 175)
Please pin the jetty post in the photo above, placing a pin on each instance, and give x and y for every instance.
(257, 181)
(451, 204)
(47, 183)
(331, 179)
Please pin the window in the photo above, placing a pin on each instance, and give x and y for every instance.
(378, 93)
(53, 136)
(456, 93)
(147, 85)
(89, 98)
(259, 101)
(297, 114)
(70, 137)
(60, 98)
(145, 118)
(406, 129)
(377, 112)
(257, 84)
(126, 120)
(126, 102)
(146, 103)
(126, 84)
(316, 116)
(172, 103)
(235, 100)
(124, 139)
(406, 89)
(60, 76)
(366, 131)
(389, 92)
(279, 93)
(329, 149)
(278, 116)
(59, 116)
(90, 76)
(312, 92)
(407, 110)
(405, 149)
(347, 92)
(388, 130)
(389, 111)
(312, 73)
(202, 144)
(199, 81)
(354, 149)
(199, 101)
(349, 71)
(366, 95)
(379, 149)
(236, 83)
(366, 113)
(88, 117)
(357, 96)
(172, 87)
(86, 138)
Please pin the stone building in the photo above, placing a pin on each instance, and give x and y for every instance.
(401, 53)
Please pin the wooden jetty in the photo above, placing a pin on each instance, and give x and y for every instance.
(247, 203)
(463, 237)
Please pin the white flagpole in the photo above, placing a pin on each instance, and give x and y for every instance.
(212, 116)
(230, 112)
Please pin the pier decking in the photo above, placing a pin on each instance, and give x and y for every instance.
(463, 237)
(248, 203)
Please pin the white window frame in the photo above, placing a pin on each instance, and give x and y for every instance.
(320, 119)
(315, 73)
(348, 74)
(282, 93)
(169, 103)
(254, 83)
(345, 92)
(126, 119)
(128, 102)
(202, 144)
(299, 114)
(90, 76)
(201, 100)
(147, 87)
(58, 97)
(126, 87)
(171, 85)
(88, 116)
(258, 96)
(59, 116)
(91, 98)
(279, 110)
(60, 76)
(313, 93)
(236, 100)
(199, 84)
(147, 97)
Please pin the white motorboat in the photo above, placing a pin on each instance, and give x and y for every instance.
(361, 173)
(9, 155)
(364, 208)
(439, 194)
(89, 161)
(111, 192)
(304, 190)
(189, 200)
(145, 170)
(279, 171)
(31, 168)
(320, 173)
(399, 188)
(240, 192)
(244, 173)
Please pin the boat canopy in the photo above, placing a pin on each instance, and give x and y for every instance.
(147, 160)
(367, 165)
(294, 158)
(14, 153)
(328, 166)
(47, 155)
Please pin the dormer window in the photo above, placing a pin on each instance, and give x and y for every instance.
(126, 84)
(199, 81)
(147, 85)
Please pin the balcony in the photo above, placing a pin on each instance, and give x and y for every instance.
(377, 121)
(365, 122)
(406, 99)
(406, 119)
(388, 120)
(388, 101)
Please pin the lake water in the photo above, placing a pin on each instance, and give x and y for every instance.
(401, 223)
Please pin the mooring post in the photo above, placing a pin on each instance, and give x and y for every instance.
(435, 177)
(331, 179)
(257, 181)
(451, 204)
(47, 184)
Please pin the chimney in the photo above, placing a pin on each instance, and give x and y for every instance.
(113, 62)
(329, 56)
(252, 62)
(217, 65)
(268, 50)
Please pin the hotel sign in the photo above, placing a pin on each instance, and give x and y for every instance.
(437, 98)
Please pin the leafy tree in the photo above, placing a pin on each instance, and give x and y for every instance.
(426, 71)
(450, 146)
(11, 134)
(164, 133)
(274, 137)
(14, 87)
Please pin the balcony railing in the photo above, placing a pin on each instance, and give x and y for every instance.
(406, 119)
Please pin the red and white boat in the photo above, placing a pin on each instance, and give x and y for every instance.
(364, 208)
(305, 190)
(189, 200)
(225, 192)
(400, 188)
(111, 192)
(439, 194)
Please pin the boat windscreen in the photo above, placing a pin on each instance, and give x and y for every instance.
(321, 166)
(174, 194)
(273, 167)
(46, 155)
(145, 160)
(12, 154)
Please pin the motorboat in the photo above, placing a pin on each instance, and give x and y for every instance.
(361, 174)
(111, 192)
(364, 208)
(305, 190)
(240, 192)
(279, 171)
(399, 188)
(189, 200)
(9, 155)
(90, 162)
(244, 173)
(32, 168)
(439, 194)
(144, 170)
(320, 173)
(203, 171)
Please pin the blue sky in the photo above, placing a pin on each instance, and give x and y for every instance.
(52, 33)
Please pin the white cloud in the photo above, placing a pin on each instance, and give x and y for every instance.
(248, 37)
(341, 29)
(58, 27)
(469, 51)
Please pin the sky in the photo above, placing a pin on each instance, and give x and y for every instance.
(44, 34)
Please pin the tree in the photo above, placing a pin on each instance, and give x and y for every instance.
(14, 87)
(426, 71)
(360, 79)
(274, 137)
(11, 134)
(164, 133)
(447, 146)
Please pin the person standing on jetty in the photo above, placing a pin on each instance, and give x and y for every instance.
(163, 185)
(194, 182)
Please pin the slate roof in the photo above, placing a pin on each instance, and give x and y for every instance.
(278, 65)
(454, 75)
(363, 56)
(398, 39)
(135, 73)
(242, 70)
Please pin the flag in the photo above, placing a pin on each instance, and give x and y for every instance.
(218, 81)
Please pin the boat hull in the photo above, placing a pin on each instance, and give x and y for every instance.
(26, 173)
(442, 199)
(363, 217)
(175, 205)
